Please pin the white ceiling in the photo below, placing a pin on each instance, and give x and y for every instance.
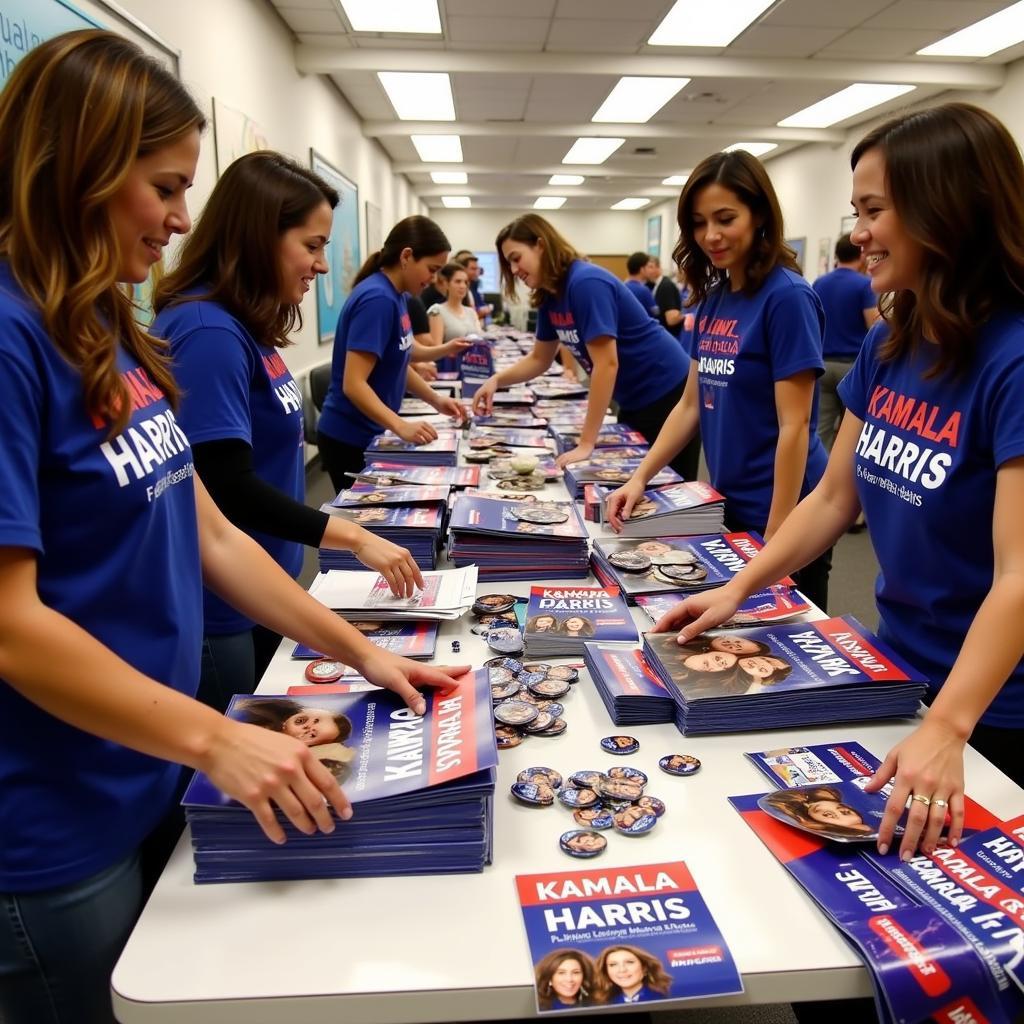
(527, 76)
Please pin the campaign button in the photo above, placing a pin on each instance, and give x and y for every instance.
(679, 764)
(582, 842)
(620, 745)
(324, 670)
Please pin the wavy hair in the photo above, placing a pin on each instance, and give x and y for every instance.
(956, 181)
(75, 114)
(232, 252)
(545, 969)
(744, 175)
(556, 256)
(418, 233)
(656, 978)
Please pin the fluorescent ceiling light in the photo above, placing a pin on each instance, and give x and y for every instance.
(448, 177)
(854, 99)
(630, 204)
(438, 149)
(406, 16)
(456, 202)
(675, 179)
(638, 99)
(990, 35)
(590, 150)
(419, 95)
(698, 23)
(566, 179)
(753, 148)
(549, 202)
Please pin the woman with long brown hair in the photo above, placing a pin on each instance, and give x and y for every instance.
(628, 974)
(629, 356)
(227, 311)
(756, 356)
(106, 536)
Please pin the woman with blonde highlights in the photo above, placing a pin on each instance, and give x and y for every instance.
(628, 974)
(106, 536)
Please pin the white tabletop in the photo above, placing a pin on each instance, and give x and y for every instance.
(452, 947)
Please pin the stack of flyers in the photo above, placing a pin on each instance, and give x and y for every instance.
(593, 499)
(558, 387)
(780, 677)
(406, 639)
(419, 810)
(691, 507)
(365, 495)
(610, 435)
(502, 469)
(560, 620)
(448, 594)
(823, 764)
(674, 564)
(481, 437)
(561, 411)
(415, 407)
(773, 604)
(440, 452)
(606, 937)
(514, 396)
(631, 690)
(500, 418)
(518, 540)
(396, 474)
(612, 469)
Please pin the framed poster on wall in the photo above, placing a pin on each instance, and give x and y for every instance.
(799, 246)
(343, 253)
(235, 133)
(654, 235)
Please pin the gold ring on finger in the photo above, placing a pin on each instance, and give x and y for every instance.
(921, 799)
(940, 803)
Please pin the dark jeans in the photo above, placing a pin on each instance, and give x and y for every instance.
(338, 459)
(234, 663)
(651, 418)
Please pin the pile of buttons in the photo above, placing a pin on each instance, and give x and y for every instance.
(527, 698)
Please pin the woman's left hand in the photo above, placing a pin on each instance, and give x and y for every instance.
(394, 563)
(454, 347)
(403, 676)
(928, 764)
(580, 453)
(449, 407)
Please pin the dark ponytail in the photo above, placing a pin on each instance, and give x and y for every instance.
(418, 233)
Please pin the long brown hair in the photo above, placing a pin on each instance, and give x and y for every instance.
(545, 969)
(75, 114)
(232, 251)
(745, 175)
(418, 233)
(656, 978)
(556, 256)
(956, 181)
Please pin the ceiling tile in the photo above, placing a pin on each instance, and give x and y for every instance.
(332, 39)
(943, 16)
(303, 19)
(651, 11)
(823, 13)
(499, 8)
(463, 29)
(780, 41)
(878, 44)
(571, 35)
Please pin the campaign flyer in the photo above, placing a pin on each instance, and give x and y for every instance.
(485, 515)
(818, 764)
(476, 363)
(622, 935)
(391, 474)
(367, 495)
(778, 603)
(377, 517)
(447, 441)
(630, 690)
(842, 812)
(579, 613)
(481, 437)
(407, 639)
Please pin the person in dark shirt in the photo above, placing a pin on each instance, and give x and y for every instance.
(667, 297)
(636, 283)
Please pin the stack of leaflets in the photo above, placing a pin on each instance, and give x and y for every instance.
(447, 594)
(415, 407)
(773, 604)
(558, 387)
(518, 540)
(612, 469)
(561, 411)
(412, 517)
(780, 677)
(510, 418)
(560, 620)
(514, 396)
(692, 507)
(418, 808)
(682, 565)
(406, 639)
(482, 437)
(631, 690)
(395, 474)
(821, 764)
(441, 452)
(610, 435)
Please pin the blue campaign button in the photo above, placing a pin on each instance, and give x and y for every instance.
(620, 744)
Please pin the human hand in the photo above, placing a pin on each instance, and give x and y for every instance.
(428, 371)
(263, 769)
(619, 504)
(483, 399)
(449, 407)
(453, 347)
(929, 763)
(394, 563)
(580, 453)
(697, 614)
(416, 432)
(402, 676)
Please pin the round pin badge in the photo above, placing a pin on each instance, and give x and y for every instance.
(503, 691)
(651, 805)
(541, 723)
(533, 482)
(538, 775)
(629, 561)
(480, 455)
(624, 771)
(492, 604)
(515, 712)
(620, 744)
(511, 665)
(634, 822)
(582, 842)
(552, 707)
(683, 573)
(575, 798)
(556, 728)
(536, 666)
(564, 672)
(528, 678)
(543, 515)
(586, 780)
(593, 817)
(679, 764)
(619, 789)
(506, 641)
(324, 670)
(508, 736)
(550, 688)
(537, 794)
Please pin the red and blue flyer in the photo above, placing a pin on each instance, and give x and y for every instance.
(622, 935)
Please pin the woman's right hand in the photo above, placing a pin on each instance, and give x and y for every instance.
(619, 504)
(698, 613)
(417, 432)
(264, 769)
(483, 398)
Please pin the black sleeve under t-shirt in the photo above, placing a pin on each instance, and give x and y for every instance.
(417, 315)
(667, 296)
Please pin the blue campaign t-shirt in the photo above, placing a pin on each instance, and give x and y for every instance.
(644, 296)
(926, 464)
(844, 295)
(376, 320)
(112, 522)
(743, 345)
(233, 388)
(594, 303)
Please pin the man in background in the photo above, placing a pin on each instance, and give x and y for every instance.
(474, 297)
(636, 282)
(667, 297)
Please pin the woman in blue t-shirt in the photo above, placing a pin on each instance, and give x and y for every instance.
(932, 449)
(373, 349)
(106, 536)
(629, 356)
(227, 310)
(756, 357)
